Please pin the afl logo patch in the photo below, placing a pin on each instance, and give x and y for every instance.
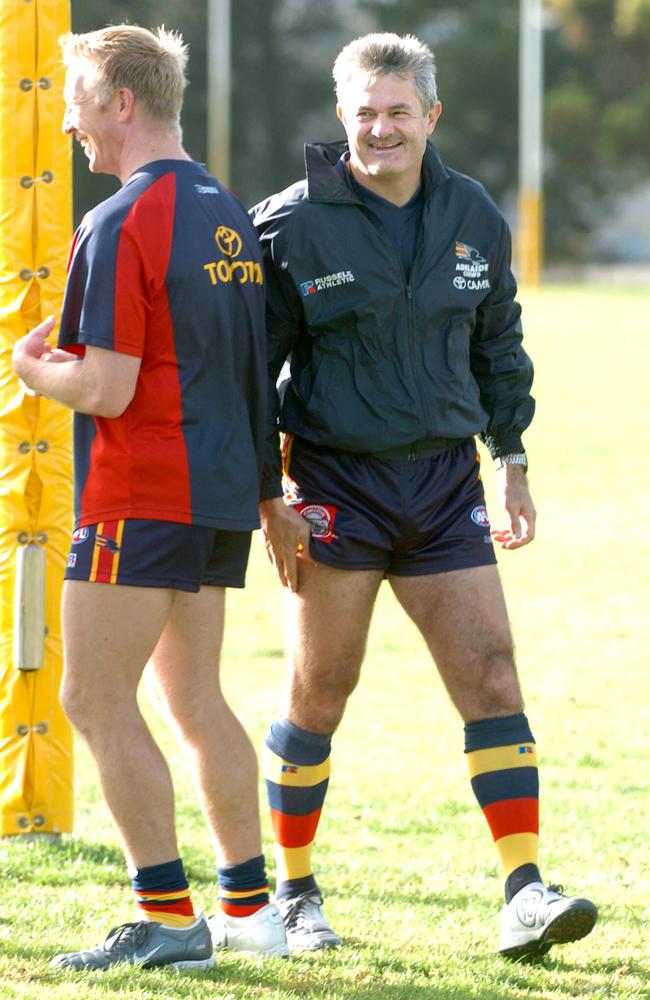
(320, 519)
(79, 535)
(480, 516)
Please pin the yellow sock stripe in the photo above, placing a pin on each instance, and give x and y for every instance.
(516, 850)
(293, 862)
(230, 894)
(96, 554)
(167, 919)
(116, 556)
(501, 758)
(283, 772)
(173, 894)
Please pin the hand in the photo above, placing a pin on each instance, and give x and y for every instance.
(512, 487)
(30, 348)
(286, 537)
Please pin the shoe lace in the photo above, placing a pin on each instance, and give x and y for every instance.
(559, 889)
(124, 938)
(297, 909)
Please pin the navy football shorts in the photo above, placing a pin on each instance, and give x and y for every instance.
(408, 518)
(140, 553)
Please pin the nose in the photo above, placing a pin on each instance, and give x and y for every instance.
(382, 126)
(66, 125)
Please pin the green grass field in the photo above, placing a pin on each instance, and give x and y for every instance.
(404, 855)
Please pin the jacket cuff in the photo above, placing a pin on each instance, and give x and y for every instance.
(503, 444)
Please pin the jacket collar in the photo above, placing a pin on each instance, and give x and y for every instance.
(325, 184)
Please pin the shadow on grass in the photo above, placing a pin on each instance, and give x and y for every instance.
(617, 967)
(248, 980)
(319, 975)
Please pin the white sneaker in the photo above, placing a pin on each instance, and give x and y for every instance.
(538, 917)
(307, 929)
(262, 933)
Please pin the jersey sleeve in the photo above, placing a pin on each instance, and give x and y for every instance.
(118, 263)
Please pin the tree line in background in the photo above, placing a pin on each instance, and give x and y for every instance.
(597, 94)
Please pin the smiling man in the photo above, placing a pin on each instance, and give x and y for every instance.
(161, 355)
(390, 291)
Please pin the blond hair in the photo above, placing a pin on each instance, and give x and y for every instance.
(150, 64)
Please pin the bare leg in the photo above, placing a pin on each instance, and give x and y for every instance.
(462, 616)
(221, 756)
(327, 627)
(109, 634)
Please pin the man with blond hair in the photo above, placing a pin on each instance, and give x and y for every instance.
(390, 290)
(161, 355)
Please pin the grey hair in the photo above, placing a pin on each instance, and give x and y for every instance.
(384, 52)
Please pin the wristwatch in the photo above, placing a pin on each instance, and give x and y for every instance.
(515, 458)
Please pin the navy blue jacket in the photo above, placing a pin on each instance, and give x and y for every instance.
(381, 364)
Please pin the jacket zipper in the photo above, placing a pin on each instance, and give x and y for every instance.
(411, 322)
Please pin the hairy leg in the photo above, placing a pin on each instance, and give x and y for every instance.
(109, 633)
(327, 623)
(462, 616)
(220, 753)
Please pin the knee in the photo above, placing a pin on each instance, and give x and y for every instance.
(77, 705)
(194, 715)
(91, 711)
(500, 692)
(319, 698)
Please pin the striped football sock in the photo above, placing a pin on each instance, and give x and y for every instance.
(243, 888)
(163, 894)
(502, 764)
(297, 770)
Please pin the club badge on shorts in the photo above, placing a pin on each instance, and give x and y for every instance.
(320, 518)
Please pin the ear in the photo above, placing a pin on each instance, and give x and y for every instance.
(433, 117)
(339, 114)
(126, 103)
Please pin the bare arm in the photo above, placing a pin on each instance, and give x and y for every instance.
(512, 487)
(102, 383)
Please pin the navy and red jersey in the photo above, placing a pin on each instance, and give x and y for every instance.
(168, 269)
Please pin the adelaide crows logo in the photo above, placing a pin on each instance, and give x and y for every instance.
(471, 268)
(465, 252)
(105, 542)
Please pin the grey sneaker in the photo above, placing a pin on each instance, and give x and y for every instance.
(538, 917)
(147, 944)
(261, 933)
(306, 927)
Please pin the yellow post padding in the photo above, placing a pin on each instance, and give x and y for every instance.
(35, 434)
(530, 238)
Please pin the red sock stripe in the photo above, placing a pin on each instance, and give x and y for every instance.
(295, 831)
(512, 816)
(183, 906)
(240, 911)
